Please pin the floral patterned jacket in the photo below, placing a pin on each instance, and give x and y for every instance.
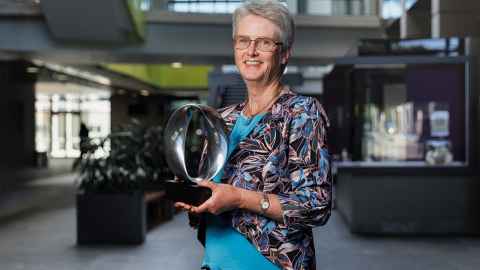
(286, 155)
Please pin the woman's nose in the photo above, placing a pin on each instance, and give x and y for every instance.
(252, 48)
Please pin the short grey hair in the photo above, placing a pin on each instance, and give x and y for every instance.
(271, 10)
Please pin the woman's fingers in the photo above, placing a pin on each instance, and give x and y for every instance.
(224, 198)
(204, 207)
(183, 206)
(208, 205)
(180, 205)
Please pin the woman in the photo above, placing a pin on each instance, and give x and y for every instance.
(276, 184)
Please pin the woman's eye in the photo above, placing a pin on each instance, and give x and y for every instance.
(266, 42)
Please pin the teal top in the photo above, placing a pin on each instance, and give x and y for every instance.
(225, 247)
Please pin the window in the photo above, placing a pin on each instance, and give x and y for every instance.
(392, 9)
(205, 6)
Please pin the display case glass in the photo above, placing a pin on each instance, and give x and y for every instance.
(399, 111)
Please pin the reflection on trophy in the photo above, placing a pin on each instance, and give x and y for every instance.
(213, 141)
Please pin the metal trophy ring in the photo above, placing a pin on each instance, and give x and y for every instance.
(215, 144)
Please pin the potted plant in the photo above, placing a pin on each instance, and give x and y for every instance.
(113, 173)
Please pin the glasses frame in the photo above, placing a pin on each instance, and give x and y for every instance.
(276, 43)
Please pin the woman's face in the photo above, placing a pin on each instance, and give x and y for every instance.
(256, 65)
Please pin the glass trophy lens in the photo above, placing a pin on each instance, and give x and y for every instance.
(194, 130)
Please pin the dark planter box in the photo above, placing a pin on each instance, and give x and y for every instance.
(111, 218)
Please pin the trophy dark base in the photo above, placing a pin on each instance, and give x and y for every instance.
(187, 193)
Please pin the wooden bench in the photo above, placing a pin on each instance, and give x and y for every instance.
(158, 209)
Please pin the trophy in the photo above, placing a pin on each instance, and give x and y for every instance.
(213, 141)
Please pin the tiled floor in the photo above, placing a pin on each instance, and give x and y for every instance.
(41, 235)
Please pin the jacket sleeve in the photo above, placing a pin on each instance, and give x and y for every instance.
(307, 202)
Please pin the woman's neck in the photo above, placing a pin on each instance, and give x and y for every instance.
(261, 98)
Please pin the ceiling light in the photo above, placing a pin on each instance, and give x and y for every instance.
(177, 65)
(61, 77)
(74, 72)
(32, 69)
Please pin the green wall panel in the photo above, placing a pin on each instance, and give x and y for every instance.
(166, 76)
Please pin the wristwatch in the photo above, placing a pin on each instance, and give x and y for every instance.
(264, 203)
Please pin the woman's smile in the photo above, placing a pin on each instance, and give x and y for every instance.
(252, 62)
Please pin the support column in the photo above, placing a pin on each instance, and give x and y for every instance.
(17, 115)
(453, 18)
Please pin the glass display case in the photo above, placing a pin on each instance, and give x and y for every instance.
(403, 124)
(400, 111)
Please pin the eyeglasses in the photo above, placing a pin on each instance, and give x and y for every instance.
(263, 44)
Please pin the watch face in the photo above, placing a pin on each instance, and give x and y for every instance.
(265, 205)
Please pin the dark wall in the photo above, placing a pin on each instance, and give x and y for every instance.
(337, 100)
(150, 110)
(119, 110)
(17, 115)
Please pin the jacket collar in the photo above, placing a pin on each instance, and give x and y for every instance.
(230, 114)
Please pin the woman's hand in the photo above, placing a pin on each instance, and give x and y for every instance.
(224, 198)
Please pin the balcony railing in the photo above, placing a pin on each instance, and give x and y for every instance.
(301, 7)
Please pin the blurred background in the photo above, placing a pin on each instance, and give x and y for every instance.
(398, 79)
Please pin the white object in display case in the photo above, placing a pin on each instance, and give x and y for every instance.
(439, 123)
(438, 152)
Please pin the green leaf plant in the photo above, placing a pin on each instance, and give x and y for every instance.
(125, 161)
